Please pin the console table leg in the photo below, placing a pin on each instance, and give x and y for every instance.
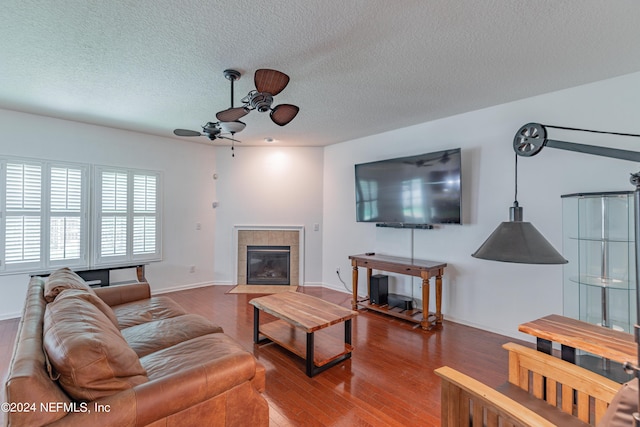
(424, 323)
(439, 298)
(140, 273)
(354, 287)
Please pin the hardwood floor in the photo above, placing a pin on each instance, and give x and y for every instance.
(389, 380)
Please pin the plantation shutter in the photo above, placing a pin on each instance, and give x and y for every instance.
(66, 227)
(113, 227)
(145, 210)
(23, 205)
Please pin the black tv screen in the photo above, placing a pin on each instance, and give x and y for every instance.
(423, 189)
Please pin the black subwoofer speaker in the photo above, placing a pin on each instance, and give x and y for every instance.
(379, 289)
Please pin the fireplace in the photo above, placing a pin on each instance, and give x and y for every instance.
(268, 265)
(268, 235)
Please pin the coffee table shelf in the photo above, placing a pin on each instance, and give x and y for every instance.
(293, 339)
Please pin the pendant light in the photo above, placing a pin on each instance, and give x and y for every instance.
(518, 241)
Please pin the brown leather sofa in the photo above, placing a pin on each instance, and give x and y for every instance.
(116, 356)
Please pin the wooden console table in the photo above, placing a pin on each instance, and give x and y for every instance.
(100, 276)
(407, 266)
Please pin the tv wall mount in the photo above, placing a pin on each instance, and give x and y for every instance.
(403, 225)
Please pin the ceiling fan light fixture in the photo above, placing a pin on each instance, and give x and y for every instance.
(232, 127)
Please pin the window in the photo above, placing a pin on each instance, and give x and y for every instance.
(44, 222)
(127, 207)
(47, 221)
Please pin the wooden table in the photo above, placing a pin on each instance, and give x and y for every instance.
(573, 334)
(411, 267)
(299, 314)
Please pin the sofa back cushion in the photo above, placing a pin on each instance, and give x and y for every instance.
(92, 299)
(86, 350)
(62, 279)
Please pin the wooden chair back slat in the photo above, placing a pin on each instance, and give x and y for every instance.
(549, 374)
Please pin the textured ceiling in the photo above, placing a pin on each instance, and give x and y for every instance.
(357, 67)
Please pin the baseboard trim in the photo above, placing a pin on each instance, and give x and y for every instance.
(313, 284)
(8, 316)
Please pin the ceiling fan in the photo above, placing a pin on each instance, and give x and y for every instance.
(268, 84)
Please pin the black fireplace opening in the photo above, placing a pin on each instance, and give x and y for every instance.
(268, 265)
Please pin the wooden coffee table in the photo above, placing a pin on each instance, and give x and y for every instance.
(299, 314)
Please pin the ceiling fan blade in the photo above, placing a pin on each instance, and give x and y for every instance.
(270, 81)
(283, 114)
(186, 132)
(231, 114)
(229, 138)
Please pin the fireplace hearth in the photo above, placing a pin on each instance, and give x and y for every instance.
(268, 265)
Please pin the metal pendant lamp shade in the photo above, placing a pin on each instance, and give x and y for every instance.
(518, 241)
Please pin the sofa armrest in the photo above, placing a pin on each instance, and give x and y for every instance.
(121, 294)
(460, 392)
(173, 393)
(164, 397)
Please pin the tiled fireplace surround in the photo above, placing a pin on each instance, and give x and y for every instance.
(269, 236)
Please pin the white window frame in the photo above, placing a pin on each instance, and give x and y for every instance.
(130, 215)
(44, 262)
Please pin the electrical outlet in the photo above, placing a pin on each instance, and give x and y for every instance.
(192, 269)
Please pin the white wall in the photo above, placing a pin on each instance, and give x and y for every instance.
(315, 186)
(269, 186)
(188, 190)
(490, 295)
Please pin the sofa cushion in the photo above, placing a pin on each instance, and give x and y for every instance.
(87, 350)
(146, 310)
(150, 337)
(218, 357)
(62, 279)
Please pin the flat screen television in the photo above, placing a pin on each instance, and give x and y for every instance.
(415, 190)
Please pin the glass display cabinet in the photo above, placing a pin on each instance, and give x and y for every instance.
(598, 242)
